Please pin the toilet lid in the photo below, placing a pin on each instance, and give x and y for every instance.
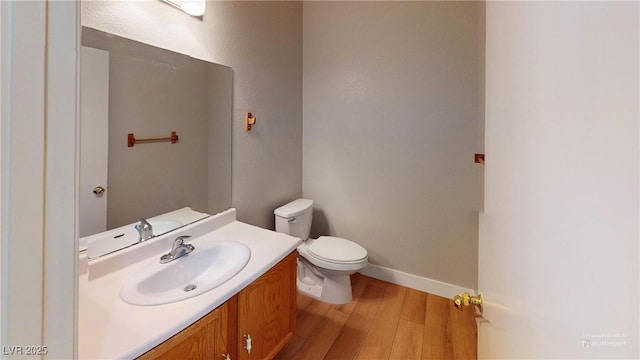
(334, 249)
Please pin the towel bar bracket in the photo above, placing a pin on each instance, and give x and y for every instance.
(131, 139)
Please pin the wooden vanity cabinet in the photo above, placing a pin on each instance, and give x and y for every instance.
(265, 311)
(207, 338)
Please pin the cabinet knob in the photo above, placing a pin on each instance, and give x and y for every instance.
(248, 343)
(226, 356)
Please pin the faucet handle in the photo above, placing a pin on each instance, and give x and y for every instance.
(180, 239)
(145, 230)
(179, 242)
(144, 224)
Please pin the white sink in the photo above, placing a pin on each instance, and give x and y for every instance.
(206, 268)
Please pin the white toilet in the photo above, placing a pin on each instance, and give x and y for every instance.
(325, 263)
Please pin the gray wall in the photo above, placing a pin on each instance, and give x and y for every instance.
(390, 128)
(263, 44)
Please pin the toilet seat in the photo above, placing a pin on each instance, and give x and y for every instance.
(337, 250)
(331, 253)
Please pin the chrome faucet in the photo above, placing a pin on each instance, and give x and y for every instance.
(178, 249)
(145, 230)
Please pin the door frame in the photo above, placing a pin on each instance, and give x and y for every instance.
(39, 174)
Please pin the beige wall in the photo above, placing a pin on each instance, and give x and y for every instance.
(391, 120)
(262, 42)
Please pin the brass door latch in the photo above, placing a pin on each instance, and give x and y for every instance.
(464, 299)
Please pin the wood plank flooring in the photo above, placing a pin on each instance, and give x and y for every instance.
(383, 321)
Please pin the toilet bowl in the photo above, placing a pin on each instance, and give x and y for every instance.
(324, 264)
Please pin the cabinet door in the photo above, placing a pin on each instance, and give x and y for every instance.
(204, 339)
(267, 311)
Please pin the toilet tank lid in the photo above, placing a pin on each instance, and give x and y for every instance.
(294, 208)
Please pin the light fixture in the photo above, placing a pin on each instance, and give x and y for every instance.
(191, 7)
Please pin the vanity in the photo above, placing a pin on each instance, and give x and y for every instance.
(252, 315)
(234, 295)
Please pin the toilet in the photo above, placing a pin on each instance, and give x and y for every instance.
(325, 263)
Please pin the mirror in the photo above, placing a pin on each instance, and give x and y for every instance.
(133, 88)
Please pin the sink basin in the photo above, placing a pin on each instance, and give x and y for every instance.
(162, 226)
(206, 268)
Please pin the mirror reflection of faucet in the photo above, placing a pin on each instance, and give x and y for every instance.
(138, 232)
(145, 230)
(179, 249)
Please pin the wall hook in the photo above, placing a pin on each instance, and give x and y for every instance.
(249, 121)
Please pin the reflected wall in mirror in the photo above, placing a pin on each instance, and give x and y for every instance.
(150, 92)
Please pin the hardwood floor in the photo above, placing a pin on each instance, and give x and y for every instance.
(383, 321)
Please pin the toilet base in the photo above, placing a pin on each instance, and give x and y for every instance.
(332, 288)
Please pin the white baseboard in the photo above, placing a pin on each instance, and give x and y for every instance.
(413, 281)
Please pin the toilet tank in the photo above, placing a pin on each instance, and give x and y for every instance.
(295, 218)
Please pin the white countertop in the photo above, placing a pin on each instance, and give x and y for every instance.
(110, 328)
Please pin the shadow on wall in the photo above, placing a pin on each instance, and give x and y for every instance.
(320, 224)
